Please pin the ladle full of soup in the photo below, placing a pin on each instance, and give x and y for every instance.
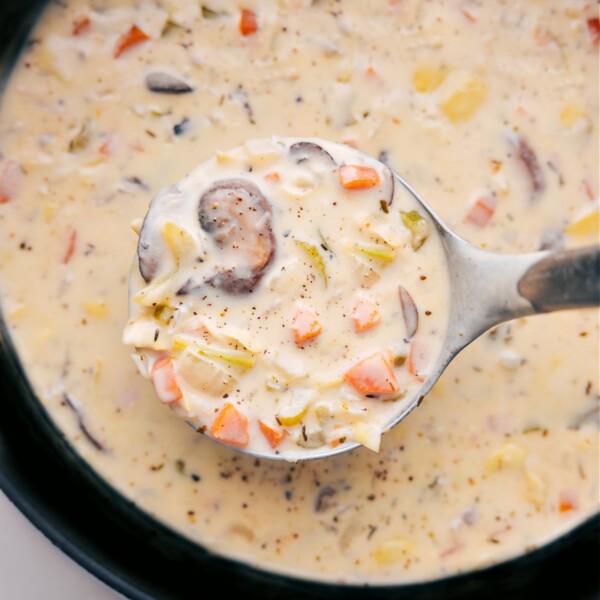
(295, 298)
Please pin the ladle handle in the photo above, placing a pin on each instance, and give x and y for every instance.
(562, 280)
(488, 288)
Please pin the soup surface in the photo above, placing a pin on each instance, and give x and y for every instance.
(490, 110)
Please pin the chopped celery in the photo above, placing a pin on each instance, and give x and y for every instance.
(313, 253)
(418, 227)
(377, 251)
(236, 358)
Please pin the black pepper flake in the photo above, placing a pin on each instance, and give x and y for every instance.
(179, 465)
(288, 494)
(181, 127)
(195, 477)
(156, 334)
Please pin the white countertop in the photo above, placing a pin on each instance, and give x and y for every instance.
(31, 567)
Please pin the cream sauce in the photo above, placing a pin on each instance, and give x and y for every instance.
(490, 110)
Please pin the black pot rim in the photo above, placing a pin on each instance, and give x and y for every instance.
(24, 420)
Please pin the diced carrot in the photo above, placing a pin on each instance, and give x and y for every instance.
(132, 38)
(164, 380)
(273, 176)
(373, 75)
(593, 26)
(351, 143)
(305, 326)
(365, 315)
(373, 375)
(416, 360)
(71, 246)
(358, 177)
(137, 146)
(589, 192)
(231, 426)
(10, 181)
(567, 501)
(482, 210)
(106, 147)
(468, 14)
(81, 25)
(248, 22)
(274, 436)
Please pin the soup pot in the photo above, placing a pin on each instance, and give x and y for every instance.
(144, 560)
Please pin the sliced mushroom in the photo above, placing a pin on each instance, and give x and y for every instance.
(166, 83)
(409, 311)
(238, 217)
(528, 157)
(149, 247)
(303, 151)
(388, 173)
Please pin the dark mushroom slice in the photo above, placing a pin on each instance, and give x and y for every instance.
(385, 204)
(304, 151)
(237, 216)
(528, 157)
(165, 83)
(150, 247)
(409, 312)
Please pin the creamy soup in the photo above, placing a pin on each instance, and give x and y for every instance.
(270, 304)
(489, 109)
